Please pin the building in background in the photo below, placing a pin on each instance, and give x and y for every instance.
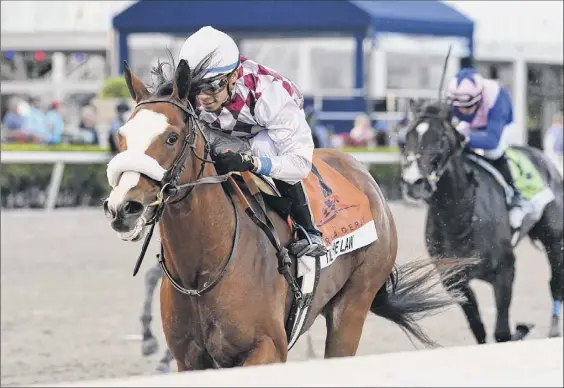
(60, 49)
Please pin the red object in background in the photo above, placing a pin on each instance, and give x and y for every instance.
(39, 56)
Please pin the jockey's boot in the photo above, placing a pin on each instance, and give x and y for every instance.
(516, 212)
(312, 244)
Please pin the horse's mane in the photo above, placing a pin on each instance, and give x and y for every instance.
(163, 76)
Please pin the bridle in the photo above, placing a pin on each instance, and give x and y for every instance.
(433, 178)
(170, 187)
(170, 182)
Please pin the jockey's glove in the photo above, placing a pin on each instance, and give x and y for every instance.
(233, 161)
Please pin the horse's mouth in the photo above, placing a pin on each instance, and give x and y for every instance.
(136, 233)
(132, 233)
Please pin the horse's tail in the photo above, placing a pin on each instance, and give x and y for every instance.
(413, 291)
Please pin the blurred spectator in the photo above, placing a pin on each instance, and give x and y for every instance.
(32, 126)
(554, 142)
(362, 134)
(13, 119)
(122, 114)
(320, 134)
(55, 123)
(382, 133)
(87, 128)
(35, 122)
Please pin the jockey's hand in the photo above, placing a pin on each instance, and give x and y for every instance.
(465, 141)
(233, 161)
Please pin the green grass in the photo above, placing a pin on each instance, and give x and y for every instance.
(58, 147)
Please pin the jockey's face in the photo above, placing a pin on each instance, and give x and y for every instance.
(211, 99)
(468, 110)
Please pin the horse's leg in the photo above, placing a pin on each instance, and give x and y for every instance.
(555, 252)
(149, 345)
(549, 231)
(503, 291)
(266, 351)
(554, 247)
(345, 315)
(470, 309)
(164, 363)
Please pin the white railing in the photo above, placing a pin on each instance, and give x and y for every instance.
(533, 363)
(59, 159)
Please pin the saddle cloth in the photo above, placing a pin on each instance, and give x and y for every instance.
(340, 211)
(527, 179)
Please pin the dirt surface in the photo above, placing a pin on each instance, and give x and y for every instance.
(70, 306)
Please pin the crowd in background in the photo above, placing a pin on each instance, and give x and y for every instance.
(363, 134)
(28, 121)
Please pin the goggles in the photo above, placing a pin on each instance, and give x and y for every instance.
(215, 86)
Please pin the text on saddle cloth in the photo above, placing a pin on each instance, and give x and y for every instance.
(340, 210)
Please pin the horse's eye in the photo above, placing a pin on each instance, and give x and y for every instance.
(172, 139)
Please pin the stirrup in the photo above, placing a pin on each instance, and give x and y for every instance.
(306, 246)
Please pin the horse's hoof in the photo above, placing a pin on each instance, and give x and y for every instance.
(521, 331)
(162, 368)
(554, 333)
(554, 329)
(149, 346)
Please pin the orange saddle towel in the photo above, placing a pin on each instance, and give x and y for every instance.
(340, 210)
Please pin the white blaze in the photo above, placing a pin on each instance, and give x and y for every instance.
(411, 173)
(422, 128)
(124, 169)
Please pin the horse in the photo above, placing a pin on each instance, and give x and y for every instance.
(467, 214)
(149, 344)
(223, 300)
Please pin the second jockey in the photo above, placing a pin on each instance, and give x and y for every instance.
(241, 98)
(485, 111)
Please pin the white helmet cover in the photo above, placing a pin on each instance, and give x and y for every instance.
(465, 89)
(205, 41)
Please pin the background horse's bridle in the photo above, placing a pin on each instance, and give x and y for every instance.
(436, 173)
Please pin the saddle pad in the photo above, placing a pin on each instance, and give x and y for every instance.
(525, 175)
(340, 211)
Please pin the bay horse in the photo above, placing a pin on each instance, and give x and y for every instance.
(235, 313)
(467, 214)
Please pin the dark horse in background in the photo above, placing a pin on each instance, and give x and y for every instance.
(467, 214)
(236, 311)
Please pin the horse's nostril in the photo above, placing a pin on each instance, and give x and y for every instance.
(132, 208)
(418, 182)
(107, 209)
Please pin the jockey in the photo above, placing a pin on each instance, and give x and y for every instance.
(485, 111)
(244, 99)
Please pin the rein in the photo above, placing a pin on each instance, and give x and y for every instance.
(170, 188)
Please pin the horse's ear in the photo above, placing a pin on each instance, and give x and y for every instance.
(446, 112)
(413, 107)
(182, 80)
(136, 87)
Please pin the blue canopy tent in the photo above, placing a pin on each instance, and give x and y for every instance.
(258, 18)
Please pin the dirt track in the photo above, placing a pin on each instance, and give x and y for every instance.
(69, 300)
